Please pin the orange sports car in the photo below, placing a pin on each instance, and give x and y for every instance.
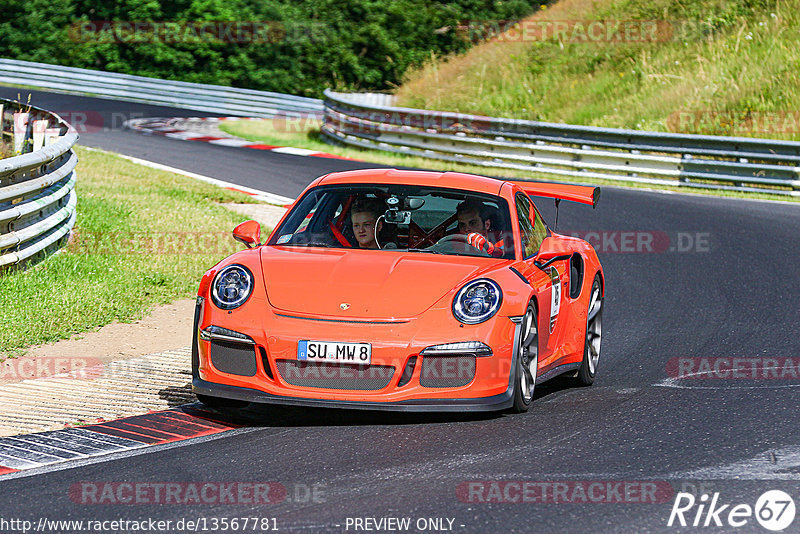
(401, 290)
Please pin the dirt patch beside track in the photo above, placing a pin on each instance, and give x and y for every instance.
(167, 327)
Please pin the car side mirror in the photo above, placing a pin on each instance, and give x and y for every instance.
(551, 249)
(249, 233)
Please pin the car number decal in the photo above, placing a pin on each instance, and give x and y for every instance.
(555, 296)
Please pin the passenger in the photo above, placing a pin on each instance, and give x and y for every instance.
(364, 215)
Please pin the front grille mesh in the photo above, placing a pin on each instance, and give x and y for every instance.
(447, 371)
(335, 375)
(233, 358)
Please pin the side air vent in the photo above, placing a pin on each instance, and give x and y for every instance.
(265, 362)
(576, 269)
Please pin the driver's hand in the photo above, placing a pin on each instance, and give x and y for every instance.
(478, 241)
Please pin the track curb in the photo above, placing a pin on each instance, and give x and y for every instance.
(172, 128)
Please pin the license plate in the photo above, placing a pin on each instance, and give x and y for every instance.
(332, 351)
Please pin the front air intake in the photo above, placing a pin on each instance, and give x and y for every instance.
(447, 371)
(233, 358)
(334, 375)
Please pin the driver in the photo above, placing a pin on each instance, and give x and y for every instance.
(364, 216)
(475, 221)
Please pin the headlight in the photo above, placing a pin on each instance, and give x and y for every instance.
(477, 301)
(232, 287)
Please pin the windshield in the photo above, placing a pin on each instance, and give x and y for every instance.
(400, 217)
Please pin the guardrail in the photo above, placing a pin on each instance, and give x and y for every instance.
(196, 96)
(37, 183)
(729, 163)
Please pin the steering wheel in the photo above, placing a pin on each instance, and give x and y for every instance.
(456, 244)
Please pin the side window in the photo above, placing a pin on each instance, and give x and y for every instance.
(305, 222)
(531, 226)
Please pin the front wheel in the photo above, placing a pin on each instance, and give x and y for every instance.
(527, 361)
(594, 334)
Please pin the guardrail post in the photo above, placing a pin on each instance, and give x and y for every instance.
(39, 129)
(21, 131)
(51, 135)
(6, 134)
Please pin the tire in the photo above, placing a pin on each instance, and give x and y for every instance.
(594, 332)
(527, 361)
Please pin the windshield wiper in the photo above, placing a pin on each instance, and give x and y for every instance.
(311, 244)
(424, 250)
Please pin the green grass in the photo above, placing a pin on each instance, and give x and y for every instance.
(142, 238)
(307, 135)
(733, 62)
(6, 151)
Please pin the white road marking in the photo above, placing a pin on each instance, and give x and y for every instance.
(263, 196)
(775, 464)
(227, 142)
(295, 151)
(722, 384)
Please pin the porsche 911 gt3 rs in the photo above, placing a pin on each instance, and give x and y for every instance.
(401, 290)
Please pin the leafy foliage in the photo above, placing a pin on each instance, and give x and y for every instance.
(308, 45)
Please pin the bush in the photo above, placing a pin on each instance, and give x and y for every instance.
(311, 45)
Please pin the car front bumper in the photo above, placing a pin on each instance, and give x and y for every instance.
(490, 389)
(483, 404)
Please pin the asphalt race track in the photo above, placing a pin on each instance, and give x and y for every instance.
(690, 281)
(99, 123)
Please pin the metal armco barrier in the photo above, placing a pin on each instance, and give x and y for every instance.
(200, 97)
(37, 183)
(731, 163)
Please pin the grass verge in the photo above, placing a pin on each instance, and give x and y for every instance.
(307, 135)
(715, 67)
(142, 238)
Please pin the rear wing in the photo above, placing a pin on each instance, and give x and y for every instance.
(585, 194)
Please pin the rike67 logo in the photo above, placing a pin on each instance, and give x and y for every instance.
(774, 510)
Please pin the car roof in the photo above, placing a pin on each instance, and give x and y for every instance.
(451, 180)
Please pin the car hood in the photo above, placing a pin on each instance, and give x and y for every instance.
(375, 284)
